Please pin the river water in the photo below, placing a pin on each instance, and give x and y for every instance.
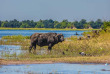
(30, 32)
(56, 68)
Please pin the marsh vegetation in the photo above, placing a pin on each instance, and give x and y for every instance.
(96, 48)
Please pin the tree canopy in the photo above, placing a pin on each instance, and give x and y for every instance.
(82, 24)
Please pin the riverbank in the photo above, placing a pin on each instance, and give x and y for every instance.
(43, 29)
(79, 60)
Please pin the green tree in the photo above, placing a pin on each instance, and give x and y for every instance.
(76, 24)
(82, 22)
(0, 23)
(92, 24)
(48, 23)
(24, 25)
(4, 24)
(14, 24)
(86, 26)
(30, 23)
(70, 25)
(58, 25)
(64, 24)
(98, 23)
(39, 25)
(52, 24)
(106, 25)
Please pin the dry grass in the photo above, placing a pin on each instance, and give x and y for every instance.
(85, 59)
(95, 46)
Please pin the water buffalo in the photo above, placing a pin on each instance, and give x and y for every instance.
(45, 39)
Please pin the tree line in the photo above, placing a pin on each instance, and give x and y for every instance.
(82, 24)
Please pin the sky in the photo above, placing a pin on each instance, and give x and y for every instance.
(54, 9)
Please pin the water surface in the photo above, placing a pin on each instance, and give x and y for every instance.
(60, 68)
(30, 32)
(10, 49)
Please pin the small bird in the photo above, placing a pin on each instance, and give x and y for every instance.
(82, 53)
(106, 64)
(63, 53)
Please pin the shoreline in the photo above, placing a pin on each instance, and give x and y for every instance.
(13, 62)
(5, 62)
(71, 60)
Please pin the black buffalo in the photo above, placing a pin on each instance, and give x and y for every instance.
(45, 39)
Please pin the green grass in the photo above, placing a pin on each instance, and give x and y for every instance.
(78, 59)
(16, 37)
(23, 41)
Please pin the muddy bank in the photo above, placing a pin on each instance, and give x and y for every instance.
(77, 60)
(10, 62)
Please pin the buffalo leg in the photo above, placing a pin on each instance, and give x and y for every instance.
(34, 47)
(50, 47)
(30, 47)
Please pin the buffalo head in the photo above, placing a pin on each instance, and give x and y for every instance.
(60, 37)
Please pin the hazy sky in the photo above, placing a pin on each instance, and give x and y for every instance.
(54, 9)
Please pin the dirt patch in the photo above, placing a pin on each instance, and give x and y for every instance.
(8, 62)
